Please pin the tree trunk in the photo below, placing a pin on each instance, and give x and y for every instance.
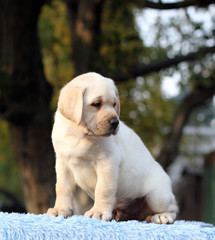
(24, 100)
(85, 19)
(35, 157)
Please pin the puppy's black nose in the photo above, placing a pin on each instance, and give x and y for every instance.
(114, 122)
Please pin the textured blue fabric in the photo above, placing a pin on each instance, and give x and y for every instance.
(30, 226)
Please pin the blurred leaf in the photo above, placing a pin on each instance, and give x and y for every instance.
(9, 176)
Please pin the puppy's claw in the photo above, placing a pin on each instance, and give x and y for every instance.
(163, 218)
(59, 212)
(98, 215)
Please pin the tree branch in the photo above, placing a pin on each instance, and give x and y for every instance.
(176, 5)
(160, 65)
(170, 148)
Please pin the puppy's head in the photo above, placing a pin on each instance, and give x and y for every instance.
(92, 101)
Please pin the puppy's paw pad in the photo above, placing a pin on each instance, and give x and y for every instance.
(59, 212)
(98, 215)
(162, 218)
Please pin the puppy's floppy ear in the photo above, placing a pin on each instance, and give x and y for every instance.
(117, 103)
(70, 103)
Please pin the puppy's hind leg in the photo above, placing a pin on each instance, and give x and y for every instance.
(164, 206)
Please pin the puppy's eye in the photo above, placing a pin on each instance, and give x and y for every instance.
(96, 104)
(114, 105)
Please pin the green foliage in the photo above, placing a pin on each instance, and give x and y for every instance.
(9, 176)
(185, 32)
(145, 109)
(121, 46)
(56, 45)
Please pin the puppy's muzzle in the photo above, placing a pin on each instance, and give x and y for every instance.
(114, 122)
(106, 128)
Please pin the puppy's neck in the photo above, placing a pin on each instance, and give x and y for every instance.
(74, 129)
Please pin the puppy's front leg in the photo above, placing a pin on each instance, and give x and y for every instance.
(65, 188)
(105, 193)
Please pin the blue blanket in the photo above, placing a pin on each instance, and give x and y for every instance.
(29, 226)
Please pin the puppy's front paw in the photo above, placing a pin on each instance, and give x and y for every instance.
(98, 214)
(59, 212)
(163, 218)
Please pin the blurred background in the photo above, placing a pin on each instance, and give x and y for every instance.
(161, 55)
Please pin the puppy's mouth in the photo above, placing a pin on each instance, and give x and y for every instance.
(110, 132)
(105, 129)
(103, 134)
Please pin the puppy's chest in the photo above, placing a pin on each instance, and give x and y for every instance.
(83, 161)
(84, 153)
(85, 176)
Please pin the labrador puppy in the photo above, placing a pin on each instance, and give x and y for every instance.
(105, 158)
